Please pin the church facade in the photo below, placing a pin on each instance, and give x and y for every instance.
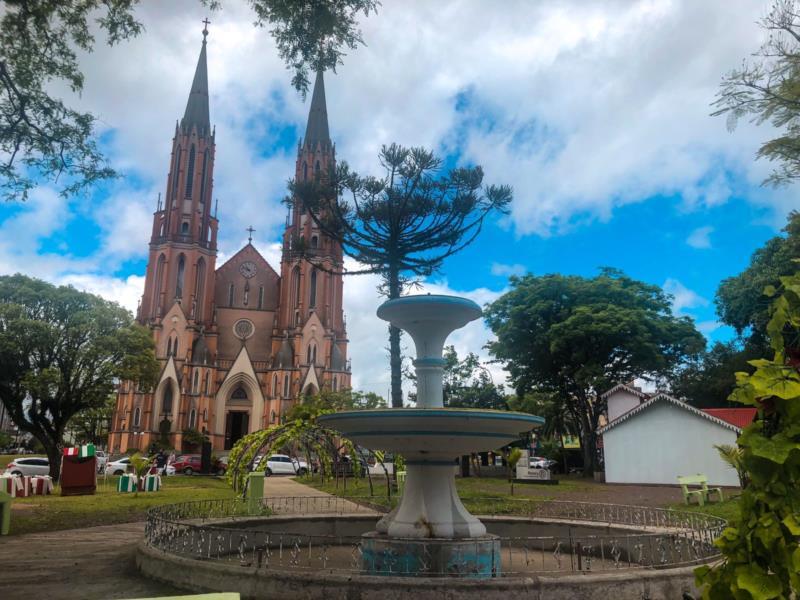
(238, 345)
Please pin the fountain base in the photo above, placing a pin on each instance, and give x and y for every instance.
(477, 557)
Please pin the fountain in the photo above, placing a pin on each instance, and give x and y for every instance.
(430, 531)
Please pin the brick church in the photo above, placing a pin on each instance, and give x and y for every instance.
(238, 345)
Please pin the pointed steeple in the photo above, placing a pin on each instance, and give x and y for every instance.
(197, 107)
(317, 128)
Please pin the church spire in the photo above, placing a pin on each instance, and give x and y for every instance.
(317, 128)
(197, 107)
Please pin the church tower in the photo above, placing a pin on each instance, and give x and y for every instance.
(241, 344)
(311, 320)
(183, 241)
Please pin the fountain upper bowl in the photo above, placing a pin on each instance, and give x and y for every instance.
(451, 312)
(431, 432)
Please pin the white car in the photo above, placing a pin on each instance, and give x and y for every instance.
(28, 466)
(118, 467)
(281, 464)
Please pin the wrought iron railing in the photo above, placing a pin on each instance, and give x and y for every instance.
(637, 537)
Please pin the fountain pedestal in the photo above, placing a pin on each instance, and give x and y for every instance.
(430, 532)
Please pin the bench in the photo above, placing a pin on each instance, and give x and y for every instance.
(702, 494)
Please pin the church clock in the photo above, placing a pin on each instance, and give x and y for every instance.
(248, 269)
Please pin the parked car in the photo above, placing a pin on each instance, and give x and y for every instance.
(191, 463)
(187, 464)
(119, 466)
(281, 464)
(102, 460)
(539, 462)
(28, 466)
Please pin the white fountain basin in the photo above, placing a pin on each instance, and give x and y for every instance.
(443, 433)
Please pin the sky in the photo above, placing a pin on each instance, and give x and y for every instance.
(597, 114)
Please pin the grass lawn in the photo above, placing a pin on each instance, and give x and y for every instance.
(107, 506)
(474, 492)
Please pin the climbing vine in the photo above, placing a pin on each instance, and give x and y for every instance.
(761, 547)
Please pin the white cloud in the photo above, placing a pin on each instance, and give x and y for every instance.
(682, 297)
(700, 237)
(126, 292)
(503, 270)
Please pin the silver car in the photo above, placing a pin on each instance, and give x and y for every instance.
(28, 466)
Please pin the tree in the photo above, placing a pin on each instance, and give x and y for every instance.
(576, 337)
(41, 138)
(44, 139)
(708, 380)
(767, 89)
(61, 352)
(91, 424)
(740, 300)
(761, 545)
(311, 34)
(402, 225)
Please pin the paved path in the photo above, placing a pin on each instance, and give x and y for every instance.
(77, 564)
(94, 563)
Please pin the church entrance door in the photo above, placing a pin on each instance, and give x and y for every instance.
(236, 423)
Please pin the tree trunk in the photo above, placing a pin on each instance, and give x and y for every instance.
(395, 361)
(53, 452)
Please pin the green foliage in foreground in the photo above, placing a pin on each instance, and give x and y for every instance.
(762, 545)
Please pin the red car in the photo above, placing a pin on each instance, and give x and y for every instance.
(190, 463)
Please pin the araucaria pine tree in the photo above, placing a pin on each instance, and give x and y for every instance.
(404, 224)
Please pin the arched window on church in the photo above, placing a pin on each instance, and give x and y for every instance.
(190, 174)
(314, 241)
(275, 385)
(137, 417)
(316, 170)
(286, 386)
(308, 355)
(239, 394)
(260, 297)
(176, 173)
(166, 403)
(179, 277)
(196, 381)
(199, 289)
(334, 383)
(305, 171)
(205, 384)
(230, 295)
(193, 419)
(312, 299)
(158, 285)
(185, 228)
(175, 347)
(272, 416)
(203, 177)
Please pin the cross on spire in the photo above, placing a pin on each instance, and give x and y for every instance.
(205, 29)
(250, 230)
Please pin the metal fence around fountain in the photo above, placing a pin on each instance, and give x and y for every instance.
(233, 531)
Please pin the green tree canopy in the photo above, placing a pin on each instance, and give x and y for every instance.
(740, 300)
(707, 380)
(576, 337)
(402, 225)
(61, 352)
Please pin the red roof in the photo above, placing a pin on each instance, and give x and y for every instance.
(738, 417)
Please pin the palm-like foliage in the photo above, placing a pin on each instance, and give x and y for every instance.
(732, 456)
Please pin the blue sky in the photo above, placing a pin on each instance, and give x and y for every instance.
(597, 114)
